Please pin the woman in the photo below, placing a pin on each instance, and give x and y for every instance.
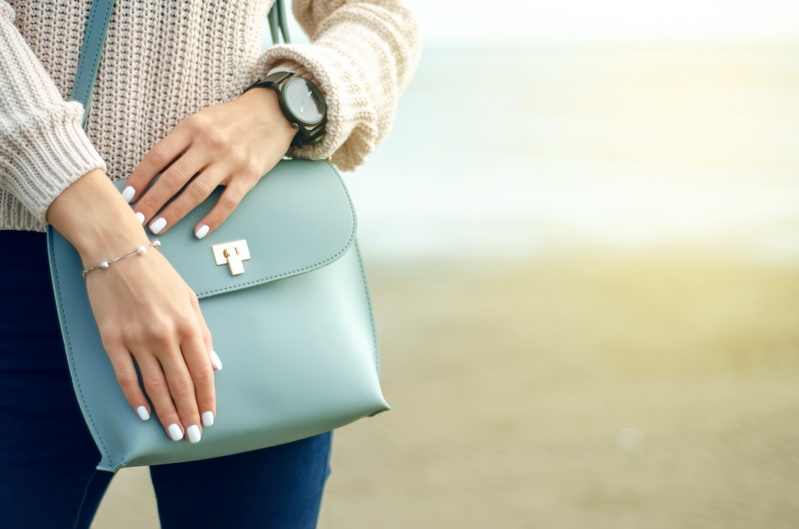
(168, 99)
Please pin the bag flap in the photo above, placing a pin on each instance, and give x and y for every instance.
(299, 217)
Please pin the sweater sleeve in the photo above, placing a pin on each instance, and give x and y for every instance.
(362, 56)
(43, 148)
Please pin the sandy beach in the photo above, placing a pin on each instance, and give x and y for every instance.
(638, 390)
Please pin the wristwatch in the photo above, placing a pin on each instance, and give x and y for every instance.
(301, 102)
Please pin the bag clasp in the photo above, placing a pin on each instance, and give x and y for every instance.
(232, 254)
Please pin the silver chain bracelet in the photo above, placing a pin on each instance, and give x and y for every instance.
(141, 250)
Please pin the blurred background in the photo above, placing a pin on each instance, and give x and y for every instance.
(582, 238)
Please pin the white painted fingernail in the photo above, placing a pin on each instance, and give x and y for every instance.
(128, 193)
(140, 216)
(194, 433)
(202, 231)
(157, 225)
(143, 413)
(215, 361)
(174, 432)
(208, 418)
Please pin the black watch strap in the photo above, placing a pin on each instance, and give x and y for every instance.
(270, 80)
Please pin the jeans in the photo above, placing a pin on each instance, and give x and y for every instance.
(48, 477)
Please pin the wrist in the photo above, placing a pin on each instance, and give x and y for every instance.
(300, 101)
(106, 264)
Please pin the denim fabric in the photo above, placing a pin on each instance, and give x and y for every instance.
(48, 478)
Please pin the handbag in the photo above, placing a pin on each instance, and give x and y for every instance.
(296, 329)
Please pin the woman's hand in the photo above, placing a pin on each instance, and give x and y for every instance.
(144, 310)
(233, 144)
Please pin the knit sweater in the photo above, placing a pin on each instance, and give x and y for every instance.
(165, 60)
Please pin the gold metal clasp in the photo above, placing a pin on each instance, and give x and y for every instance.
(232, 254)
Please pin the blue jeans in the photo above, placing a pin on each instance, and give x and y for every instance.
(48, 478)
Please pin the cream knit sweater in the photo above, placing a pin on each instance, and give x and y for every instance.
(166, 59)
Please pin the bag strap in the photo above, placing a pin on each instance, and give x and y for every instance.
(94, 39)
(277, 20)
(89, 61)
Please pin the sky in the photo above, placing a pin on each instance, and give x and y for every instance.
(565, 21)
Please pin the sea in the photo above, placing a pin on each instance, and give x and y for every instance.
(519, 152)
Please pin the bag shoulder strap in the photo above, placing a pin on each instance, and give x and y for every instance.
(89, 60)
(277, 21)
(94, 39)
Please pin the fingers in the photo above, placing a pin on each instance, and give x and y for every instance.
(192, 196)
(206, 334)
(128, 378)
(201, 370)
(181, 388)
(228, 202)
(178, 377)
(167, 186)
(155, 384)
(190, 377)
(156, 160)
(159, 391)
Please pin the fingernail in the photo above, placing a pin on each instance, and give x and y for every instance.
(128, 193)
(143, 413)
(157, 225)
(194, 433)
(208, 418)
(174, 432)
(202, 231)
(140, 216)
(215, 361)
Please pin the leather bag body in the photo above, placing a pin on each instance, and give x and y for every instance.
(295, 330)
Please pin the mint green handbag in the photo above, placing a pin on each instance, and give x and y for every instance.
(295, 329)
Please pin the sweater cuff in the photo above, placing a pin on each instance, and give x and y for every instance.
(45, 153)
(351, 131)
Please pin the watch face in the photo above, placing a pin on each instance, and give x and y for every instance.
(304, 100)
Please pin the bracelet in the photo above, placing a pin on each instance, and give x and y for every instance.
(141, 250)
